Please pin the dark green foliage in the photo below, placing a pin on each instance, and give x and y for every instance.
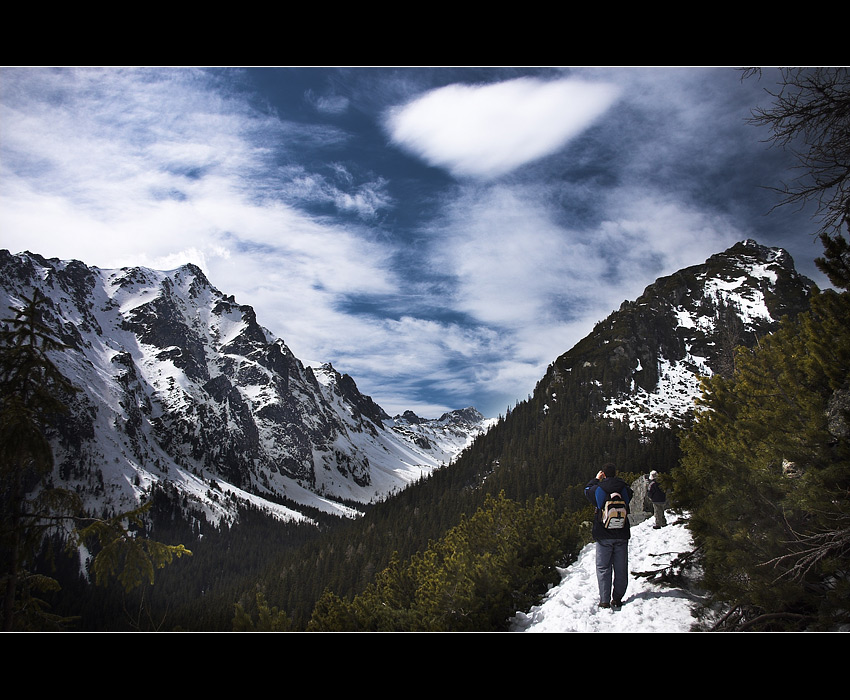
(533, 452)
(766, 469)
(835, 262)
(269, 619)
(766, 475)
(485, 569)
(31, 392)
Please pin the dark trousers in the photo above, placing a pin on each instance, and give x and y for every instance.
(612, 569)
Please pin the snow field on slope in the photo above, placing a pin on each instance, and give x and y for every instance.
(573, 605)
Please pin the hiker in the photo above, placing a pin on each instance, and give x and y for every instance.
(611, 535)
(659, 500)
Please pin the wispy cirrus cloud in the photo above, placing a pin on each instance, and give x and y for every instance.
(160, 168)
(548, 202)
(366, 199)
(326, 102)
(513, 265)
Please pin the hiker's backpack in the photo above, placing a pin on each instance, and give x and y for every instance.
(614, 512)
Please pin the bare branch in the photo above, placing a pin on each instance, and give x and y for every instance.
(810, 117)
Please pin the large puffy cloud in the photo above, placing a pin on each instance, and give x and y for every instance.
(484, 131)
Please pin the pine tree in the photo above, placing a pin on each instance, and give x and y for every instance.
(32, 393)
(491, 564)
(766, 474)
(269, 619)
(766, 467)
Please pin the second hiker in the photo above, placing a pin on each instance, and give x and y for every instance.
(659, 500)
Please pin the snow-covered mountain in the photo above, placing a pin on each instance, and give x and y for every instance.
(643, 363)
(445, 436)
(182, 389)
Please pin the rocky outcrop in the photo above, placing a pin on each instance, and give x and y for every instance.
(643, 362)
(640, 507)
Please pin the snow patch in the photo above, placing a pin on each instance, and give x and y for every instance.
(573, 605)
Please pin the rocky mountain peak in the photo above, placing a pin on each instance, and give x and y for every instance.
(463, 416)
(408, 417)
(643, 362)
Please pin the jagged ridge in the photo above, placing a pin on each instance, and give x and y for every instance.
(643, 362)
(182, 387)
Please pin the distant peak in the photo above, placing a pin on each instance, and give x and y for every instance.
(465, 415)
(410, 417)
(194, 269)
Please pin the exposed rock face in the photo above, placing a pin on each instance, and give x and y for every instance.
(640, 507)
(643, 362)
(180, 384)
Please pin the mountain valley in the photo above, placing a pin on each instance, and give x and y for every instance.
(184, 395)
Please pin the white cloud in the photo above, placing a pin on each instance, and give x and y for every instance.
(512, 264)
(365, 200)
(122, 168)
(484, 131)
(160, 168)
(541, 285)
(328, 103)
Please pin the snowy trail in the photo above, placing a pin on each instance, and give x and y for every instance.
(572, 606)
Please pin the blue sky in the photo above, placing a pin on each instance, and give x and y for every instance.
(441, 234)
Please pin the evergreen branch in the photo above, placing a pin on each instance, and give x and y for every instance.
(735, 609)
(735, 620)
(133, 558)
(673, 573)
(816, 547)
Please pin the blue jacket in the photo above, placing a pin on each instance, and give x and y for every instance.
(597, 492)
